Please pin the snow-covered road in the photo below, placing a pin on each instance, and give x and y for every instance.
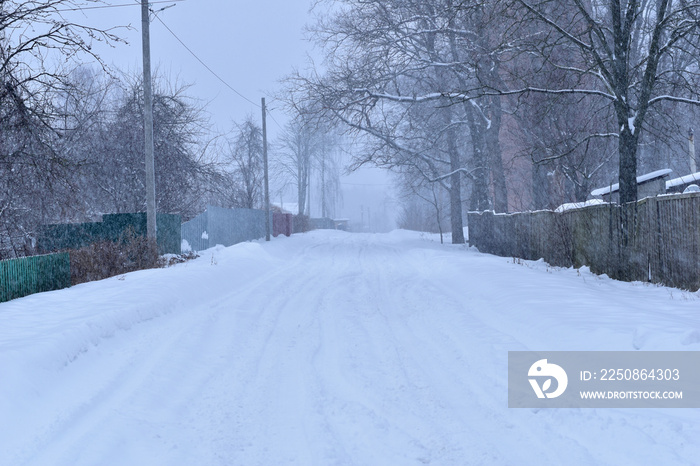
(329, 348)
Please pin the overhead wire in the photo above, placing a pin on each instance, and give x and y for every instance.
(155, 14)
(100, 7)
(204, 64)
(211, 70)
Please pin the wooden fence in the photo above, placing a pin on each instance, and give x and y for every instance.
(656, 239)
(28, 275)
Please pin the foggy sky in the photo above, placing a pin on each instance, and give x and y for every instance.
(251, 45)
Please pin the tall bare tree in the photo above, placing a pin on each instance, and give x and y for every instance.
(245, 156)
(299, 144)
(633, 54)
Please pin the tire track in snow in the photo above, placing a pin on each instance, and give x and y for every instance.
(356, 350)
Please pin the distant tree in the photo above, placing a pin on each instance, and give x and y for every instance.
(411, 77)
(423, 204)
(299, 146)
(245, 158)
(328, 163)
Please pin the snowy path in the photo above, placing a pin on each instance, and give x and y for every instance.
(328, 348)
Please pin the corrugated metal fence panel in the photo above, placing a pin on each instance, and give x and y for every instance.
(168, 234)
(223, 226)
(232, 226)
(111, 228)
(195, 232)
(29, 275)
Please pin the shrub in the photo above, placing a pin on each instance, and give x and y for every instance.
(106, 258)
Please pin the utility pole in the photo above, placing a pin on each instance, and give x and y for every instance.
(148, 125)
(691, 150)
(267, 179)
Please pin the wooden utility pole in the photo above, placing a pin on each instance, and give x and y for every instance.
(148, 124)
(267, 179)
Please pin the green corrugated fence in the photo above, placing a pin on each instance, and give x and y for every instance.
(29, 275)
(111, 228)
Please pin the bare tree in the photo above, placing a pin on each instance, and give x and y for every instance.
(300, 144)
(423, 204)
(32, 34)
(566, 143)
(245, 152)
(33, 164)
(393, 65)
(635, 55)
(328, 162)
(102, 136)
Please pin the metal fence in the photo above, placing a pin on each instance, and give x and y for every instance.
(29, 275)
(222, 226)
(656, 240)
(111, 228)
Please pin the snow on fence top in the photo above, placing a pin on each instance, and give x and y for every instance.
(579, 205)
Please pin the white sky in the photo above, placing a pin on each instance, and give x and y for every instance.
(251, 45)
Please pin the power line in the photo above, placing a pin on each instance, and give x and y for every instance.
(204, 64)
(83, 8)
(211, 70)
(136, 3)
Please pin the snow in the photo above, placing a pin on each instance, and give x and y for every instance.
(205, 235)
(640, 179)
(185, 246)
(683, 180)
(578, 205)
(329, 348)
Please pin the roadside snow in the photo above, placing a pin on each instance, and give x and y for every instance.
(185, 246)
(329, 348)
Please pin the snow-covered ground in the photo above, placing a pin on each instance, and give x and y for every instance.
(329, 348)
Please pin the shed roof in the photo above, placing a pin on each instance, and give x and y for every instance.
(640, 179)
(683, 180)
